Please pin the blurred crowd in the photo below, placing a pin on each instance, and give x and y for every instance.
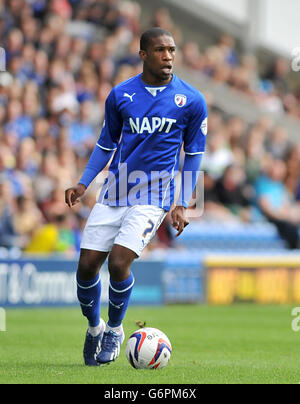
(252, 174)
(269, 87)
(62, 59)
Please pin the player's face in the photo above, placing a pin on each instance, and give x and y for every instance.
(159, 58)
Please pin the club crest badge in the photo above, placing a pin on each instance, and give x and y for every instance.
(180, 100)
(204, 127)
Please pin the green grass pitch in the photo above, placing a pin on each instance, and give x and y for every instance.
(211, 344)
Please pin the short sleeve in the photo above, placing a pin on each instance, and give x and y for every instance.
(196, 130)
(112, 125)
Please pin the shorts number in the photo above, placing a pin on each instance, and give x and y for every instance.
(149, 228)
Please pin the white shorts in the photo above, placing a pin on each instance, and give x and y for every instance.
(132, 227)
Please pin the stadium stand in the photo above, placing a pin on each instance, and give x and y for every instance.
(62, 59)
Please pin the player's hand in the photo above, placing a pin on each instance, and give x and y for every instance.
(179, 219)
(73, 195)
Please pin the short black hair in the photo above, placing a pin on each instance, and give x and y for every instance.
(154, 32)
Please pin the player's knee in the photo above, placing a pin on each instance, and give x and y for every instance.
(118, 268)
(87, 268)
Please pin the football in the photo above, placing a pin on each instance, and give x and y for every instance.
(148, 348)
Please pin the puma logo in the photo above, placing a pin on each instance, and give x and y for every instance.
(117, 306)
(88, 304)
(129, 96)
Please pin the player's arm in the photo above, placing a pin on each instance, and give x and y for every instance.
(106, 146)
(194, 147)
(97, 162)
(189, 177)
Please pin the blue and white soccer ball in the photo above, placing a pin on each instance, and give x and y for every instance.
(148, 348)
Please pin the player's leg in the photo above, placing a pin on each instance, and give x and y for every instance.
(138, 227)
(89, 293)
(120, 288)
(97, 240)
(121, 283)
(89, 285)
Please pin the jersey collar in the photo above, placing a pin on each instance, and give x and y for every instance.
(166, 87)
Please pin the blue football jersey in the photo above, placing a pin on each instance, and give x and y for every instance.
(147, 127)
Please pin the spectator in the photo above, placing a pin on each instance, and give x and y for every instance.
(277, 143)
(82, 133)
(8, 235)
(218, 155)
(27, 219)
(55, 205)
(162, 18)
(233, 192)
(192, 56)
(275, 203)
(277, 74)
(53, 237)
(18, 123)
(7, 230)
(45, 180)
(213, 209)
(227, 43)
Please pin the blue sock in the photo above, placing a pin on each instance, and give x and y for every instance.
(119, 295)
(88, 293)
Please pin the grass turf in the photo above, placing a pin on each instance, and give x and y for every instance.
(211, 344)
